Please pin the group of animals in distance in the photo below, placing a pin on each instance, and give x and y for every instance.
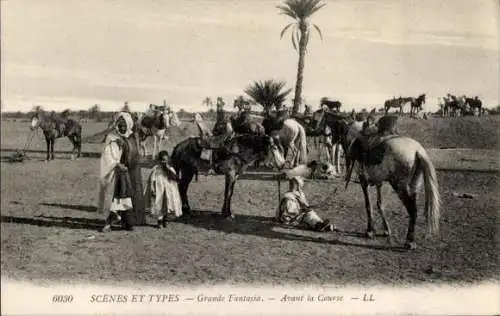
(243, 139)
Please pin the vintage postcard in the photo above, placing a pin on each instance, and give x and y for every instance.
(253, 157)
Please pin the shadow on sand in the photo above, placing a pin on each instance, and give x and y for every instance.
(56, 152)
(76, 207)
(263, 227)
(53, 221)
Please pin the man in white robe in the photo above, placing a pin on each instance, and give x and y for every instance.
(294, 209)
(115, 195)
(162, 194)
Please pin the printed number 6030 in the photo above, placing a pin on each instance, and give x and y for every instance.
(62, 298)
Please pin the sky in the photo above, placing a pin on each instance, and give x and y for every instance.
(73, 54)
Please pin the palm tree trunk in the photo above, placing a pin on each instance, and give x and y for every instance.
(300, 73)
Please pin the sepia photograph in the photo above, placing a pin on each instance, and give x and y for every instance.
(277, 157)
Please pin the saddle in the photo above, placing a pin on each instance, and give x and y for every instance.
(60, 128)
(213, 142)
(368, 148)
(209, 143)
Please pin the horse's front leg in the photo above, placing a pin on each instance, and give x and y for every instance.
(183, 185)
(381, 210)
(228, 194)
(368, 205)
(74, 150)
(78, 141)
(47, 141)
(52, 149)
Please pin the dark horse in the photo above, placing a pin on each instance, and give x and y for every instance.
(474, 103)
(231, 158)
(333, 105)
(398, 103)
(54, 127)
(338, 124)
(417, 104)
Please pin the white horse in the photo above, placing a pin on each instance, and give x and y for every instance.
(292, 136)
(158, 134)
(405, 164)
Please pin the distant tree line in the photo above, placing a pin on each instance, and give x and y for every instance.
(94, 113)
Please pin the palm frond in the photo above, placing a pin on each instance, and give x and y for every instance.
(294, 41)
(268, 93)
(285, 29)
(288, 11)
(319, 31)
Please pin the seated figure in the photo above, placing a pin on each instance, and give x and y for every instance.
(294, 209)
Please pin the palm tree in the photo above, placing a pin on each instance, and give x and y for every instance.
(300, 11)
(268, 93)
(207, 102)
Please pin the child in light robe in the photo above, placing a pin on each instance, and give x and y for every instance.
(294, 209)
(162, 194)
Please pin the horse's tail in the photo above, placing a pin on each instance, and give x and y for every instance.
(432, 199)
(302, 144)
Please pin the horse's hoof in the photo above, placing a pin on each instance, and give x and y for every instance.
(186, 212)
(411, 245)
(228, 217)
(370, 235)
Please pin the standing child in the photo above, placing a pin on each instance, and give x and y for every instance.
(162, 194)
(294, 209)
